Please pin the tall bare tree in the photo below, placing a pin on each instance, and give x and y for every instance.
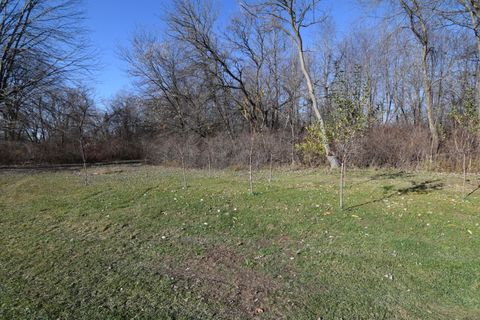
(420, 15)
(294, 16)
(472, 8)
(192, 22)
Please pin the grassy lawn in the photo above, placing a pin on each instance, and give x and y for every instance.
(133, 244)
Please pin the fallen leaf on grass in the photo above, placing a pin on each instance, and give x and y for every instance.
(259, 311)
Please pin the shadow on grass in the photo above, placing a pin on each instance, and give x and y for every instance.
(475, 190)
(392, 175)
(387, 176)
(424, 187)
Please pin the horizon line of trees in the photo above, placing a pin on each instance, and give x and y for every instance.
(275, 86)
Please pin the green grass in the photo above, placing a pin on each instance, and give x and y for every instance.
(133, 244)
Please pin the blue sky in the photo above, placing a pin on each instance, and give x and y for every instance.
(113, 22)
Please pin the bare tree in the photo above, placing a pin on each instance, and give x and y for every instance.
(467, 14)
(81, 111)
(420, 17)
(192, 23)
(250, 160)
(171, 81)
(42, 43)
(293, 18)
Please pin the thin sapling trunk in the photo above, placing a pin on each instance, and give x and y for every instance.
(84, 161)
(184, 174)
(464, 176)
(250, 163)
(270, 173)
(342, 184)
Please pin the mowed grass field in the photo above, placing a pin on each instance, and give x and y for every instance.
(134, 245)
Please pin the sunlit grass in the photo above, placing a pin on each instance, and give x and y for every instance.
(134, 244)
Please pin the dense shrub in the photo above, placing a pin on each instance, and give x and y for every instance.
(382, 146)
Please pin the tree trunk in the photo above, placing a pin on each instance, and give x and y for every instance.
(331, 157)
(292, 147)
(342, 184)
(84, 160)
(250, 163)
(209, 162)
(477, 80)
(427, 82)
(474, 11)
(184, 174)
(464, 176)
(270, 173)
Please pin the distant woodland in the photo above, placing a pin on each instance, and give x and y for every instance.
(276, 86)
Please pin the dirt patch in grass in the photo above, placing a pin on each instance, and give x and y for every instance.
(223, 281)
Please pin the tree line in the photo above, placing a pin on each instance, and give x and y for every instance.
(272, 85)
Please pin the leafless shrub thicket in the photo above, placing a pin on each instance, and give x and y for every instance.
(220, 152)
